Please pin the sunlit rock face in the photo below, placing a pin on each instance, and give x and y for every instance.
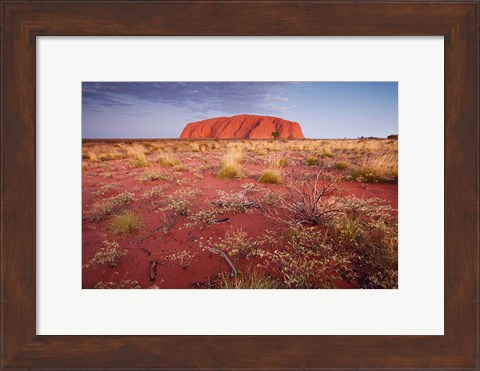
(243, 126)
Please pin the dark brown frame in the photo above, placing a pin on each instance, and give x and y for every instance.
(22, 21)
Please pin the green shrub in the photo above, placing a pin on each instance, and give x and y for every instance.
(276, 134)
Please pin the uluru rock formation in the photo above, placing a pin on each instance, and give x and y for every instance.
(243, 126)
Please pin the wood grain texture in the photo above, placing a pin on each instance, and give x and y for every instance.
(23, 21)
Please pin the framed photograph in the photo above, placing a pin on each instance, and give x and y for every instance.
(228, 185)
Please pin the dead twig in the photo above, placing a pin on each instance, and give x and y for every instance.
(227, 259)
(227, 220)
(153, 270)
(147, 251)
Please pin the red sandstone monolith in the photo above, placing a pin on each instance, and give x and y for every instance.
(243, 126)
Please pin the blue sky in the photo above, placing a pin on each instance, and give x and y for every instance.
(162, 109)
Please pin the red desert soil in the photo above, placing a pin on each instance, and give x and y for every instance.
(243, 126)
(198, 171)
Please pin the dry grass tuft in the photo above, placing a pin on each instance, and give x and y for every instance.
(340, 165)
(230, 166)
(138, 157)
(127, 223)
(249, 280)
(377, 169)
(312, 161)
(271, 176)
(105, 208)
(168, 160)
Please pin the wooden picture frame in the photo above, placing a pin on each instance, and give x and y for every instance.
(23, 21)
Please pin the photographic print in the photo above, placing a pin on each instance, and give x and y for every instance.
(239, 185)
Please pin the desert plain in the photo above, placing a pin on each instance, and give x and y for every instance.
(240, 213)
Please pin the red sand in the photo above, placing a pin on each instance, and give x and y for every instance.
(136, 265)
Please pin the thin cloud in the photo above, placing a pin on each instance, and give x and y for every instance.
(199, 98)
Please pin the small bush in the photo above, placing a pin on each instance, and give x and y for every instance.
(139, 162)
(184, 258)
(167, 160)
(235, 243)
(194, 147)
(270, 197)
(104, 189)
(276, 163)
(105, 208)
(180, 202)
(312, 161)
(308, 203)
(233, 201)
(92, 155)
(122, 284)
(203, 218)
(155, 192)
(150, 148)
(127, 223)
(230, 171)
(249, 280)
(283, 162)
(179, 168)
(153, 175)
(307, 260)
(341, 165)
(366, 174)
(106, 157)
(271, 176)
(367, 227)
(326, 154)
(109, 254)
(276, 134)
(251, 187)
(137, 156)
